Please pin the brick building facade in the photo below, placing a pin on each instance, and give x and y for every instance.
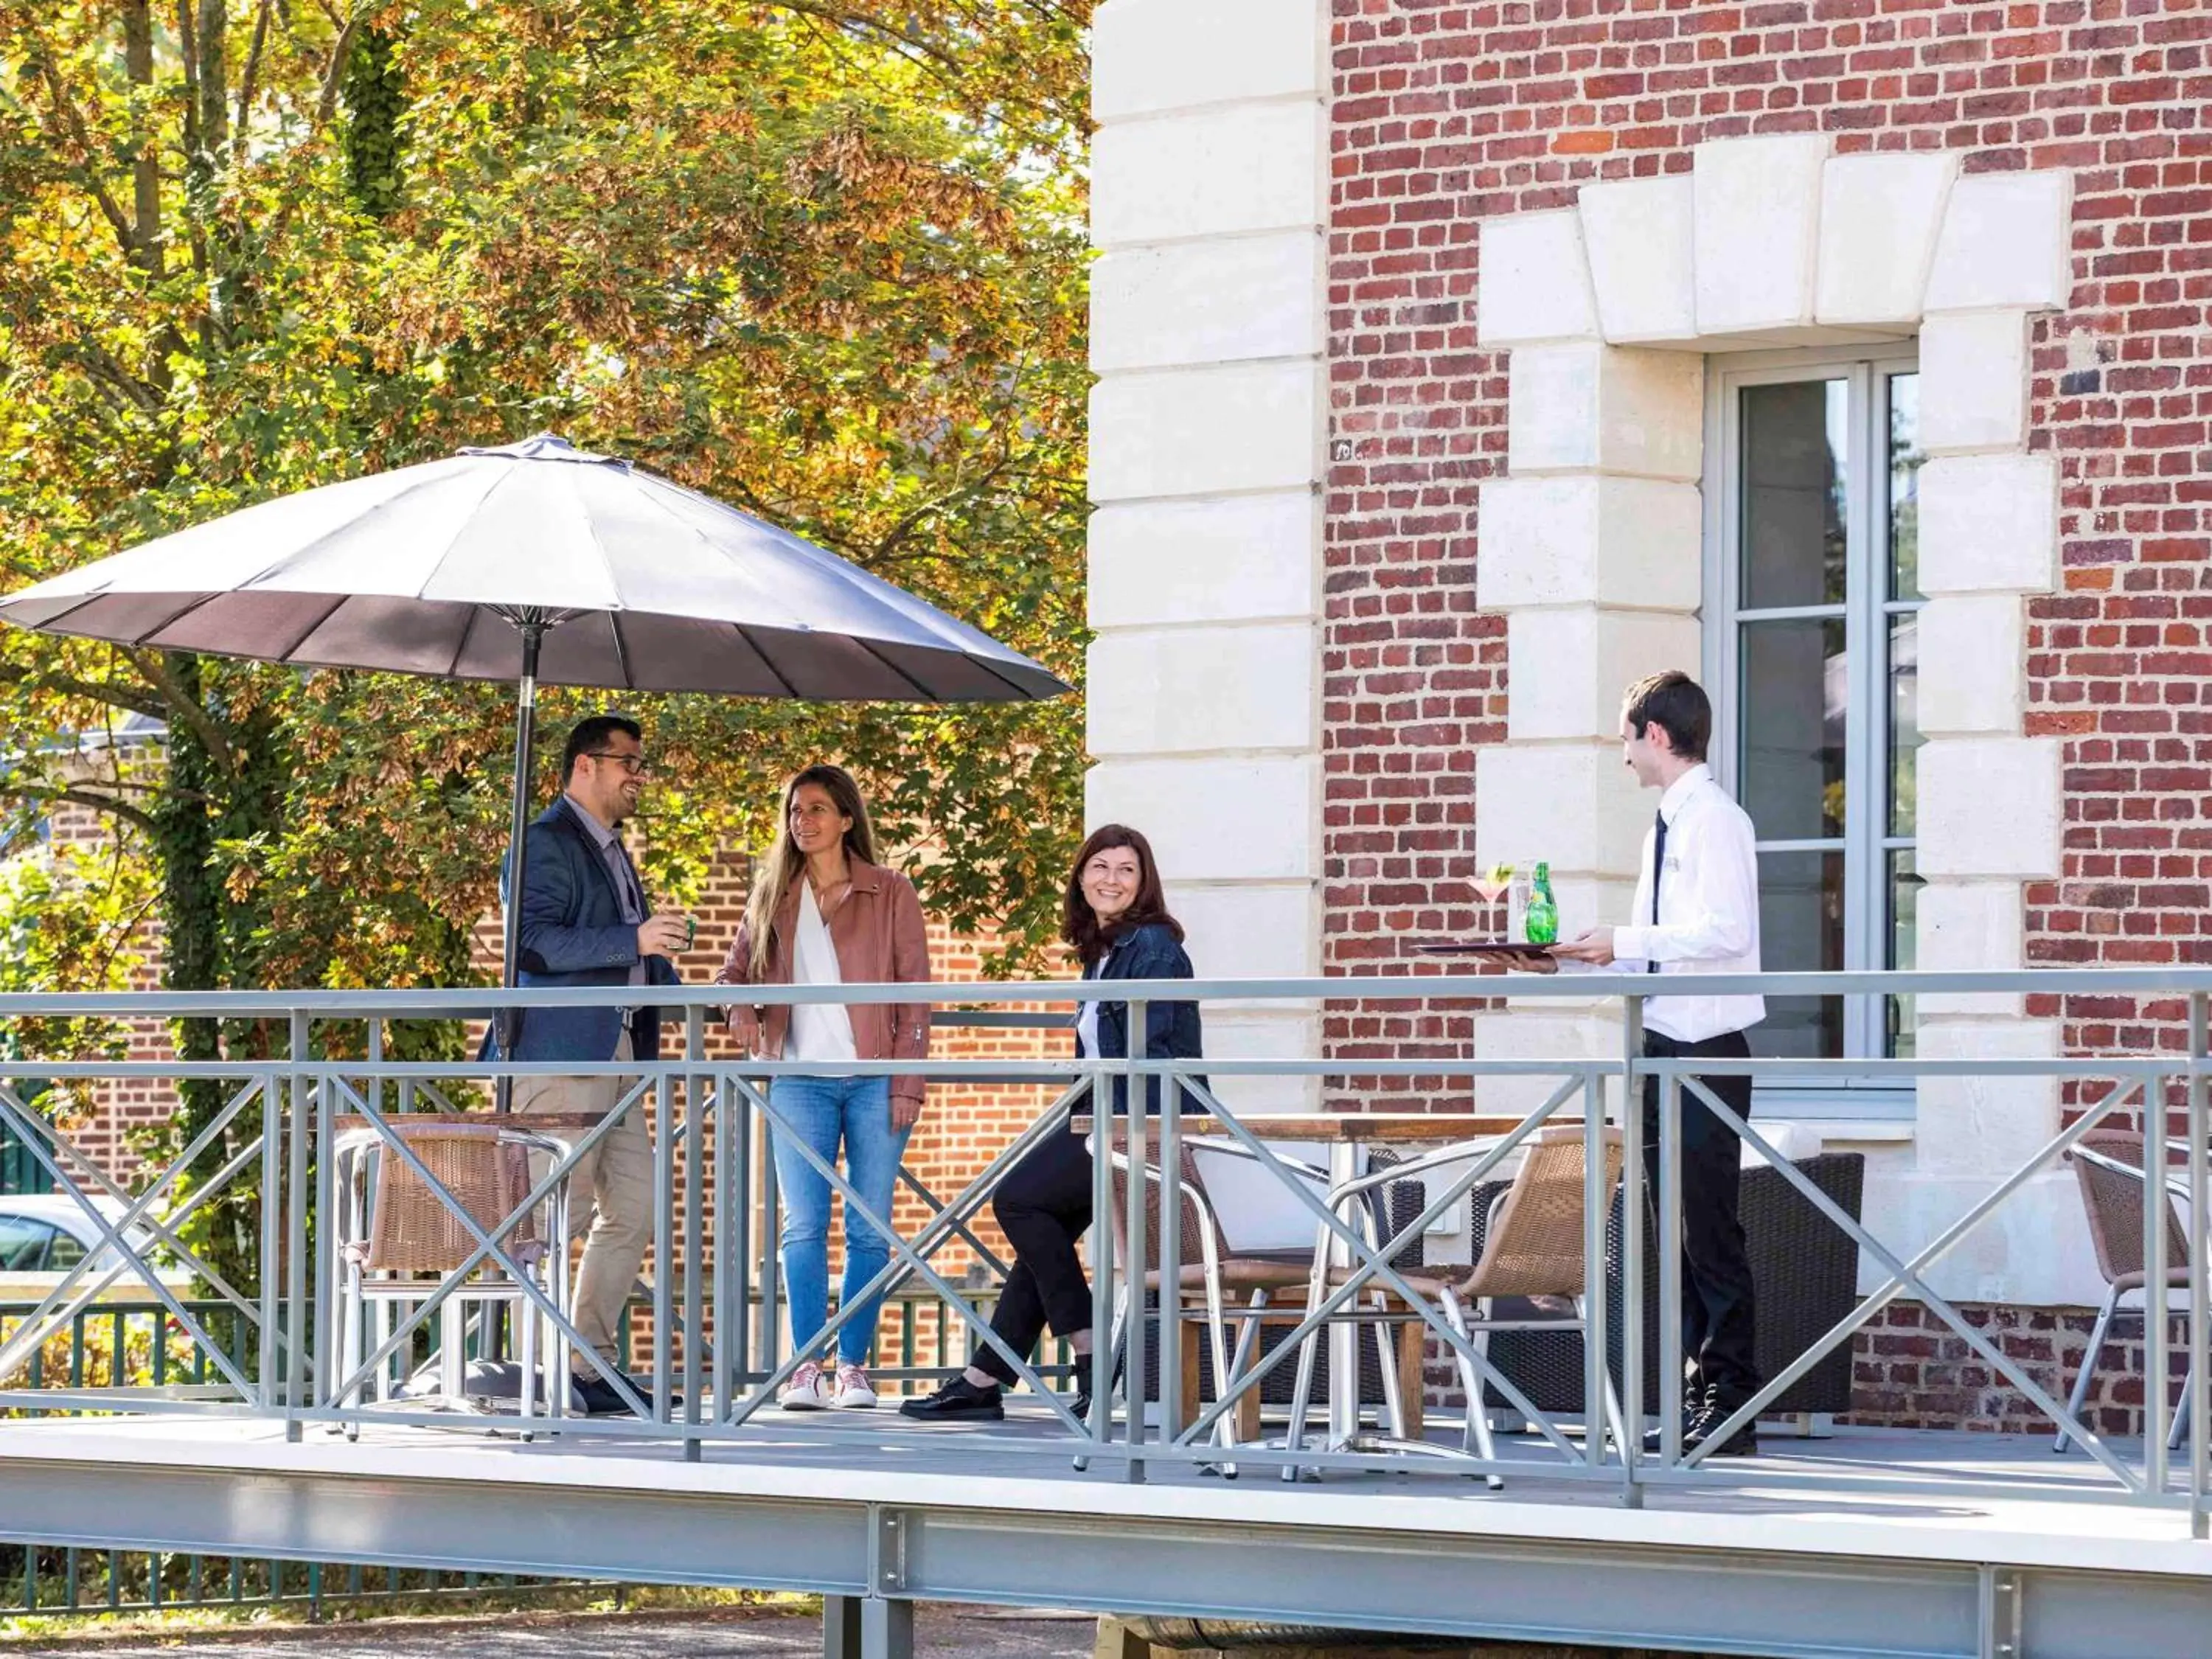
(1462, 361)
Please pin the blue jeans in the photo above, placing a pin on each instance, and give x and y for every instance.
(823, 1111)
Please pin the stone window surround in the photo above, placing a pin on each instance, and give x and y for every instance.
(1592, 546)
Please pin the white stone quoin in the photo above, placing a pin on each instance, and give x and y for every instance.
(1593, 541)
(1209, 336)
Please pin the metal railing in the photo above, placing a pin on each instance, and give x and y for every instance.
(716, 1357)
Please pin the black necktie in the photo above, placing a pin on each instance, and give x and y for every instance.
(1658, 866)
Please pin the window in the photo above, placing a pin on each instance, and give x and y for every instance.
(1812, 634)
(23, 1243)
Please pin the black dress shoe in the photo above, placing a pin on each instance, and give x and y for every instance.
(601, 1399)
(958, 1401)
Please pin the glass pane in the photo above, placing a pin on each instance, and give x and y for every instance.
(64, 1252)
(1801, 930)
(1905, 459)
(1904, 947)
(1797, 684)
(1794, 451)
(1905, 738)
(22, 1243)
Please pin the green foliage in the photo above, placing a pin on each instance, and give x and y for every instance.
(822, 260)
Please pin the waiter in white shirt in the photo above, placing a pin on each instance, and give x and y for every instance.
(1696, 912)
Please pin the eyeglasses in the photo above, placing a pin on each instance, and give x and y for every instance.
(633, 764)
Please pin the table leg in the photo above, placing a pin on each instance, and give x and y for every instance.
(1343, 1333)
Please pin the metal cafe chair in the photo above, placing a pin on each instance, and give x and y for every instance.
(1219, 1282)
(397, 1243)
(1533, 1247)
(2108, 1166)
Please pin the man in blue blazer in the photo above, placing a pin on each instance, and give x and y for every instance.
(586, 921)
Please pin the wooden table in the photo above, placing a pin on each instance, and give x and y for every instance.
(1344, 1132)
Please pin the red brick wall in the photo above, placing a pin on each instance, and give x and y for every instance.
(1447, 112)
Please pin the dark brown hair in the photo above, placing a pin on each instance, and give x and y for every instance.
(1677, 705)
(1079, 923)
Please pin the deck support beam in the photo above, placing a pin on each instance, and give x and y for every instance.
(872, 1556)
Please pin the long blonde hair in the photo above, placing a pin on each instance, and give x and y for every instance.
(784, 863)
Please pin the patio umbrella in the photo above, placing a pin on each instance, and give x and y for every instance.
(532, 561)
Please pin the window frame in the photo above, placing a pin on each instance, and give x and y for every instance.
(1868, 610)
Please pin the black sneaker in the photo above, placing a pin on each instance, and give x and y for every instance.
(958, 1401)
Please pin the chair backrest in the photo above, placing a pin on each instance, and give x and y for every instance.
(1534, 1245)
(1255, 1212)
(1196, 1213)
(2114, 1199)
(410, 1230)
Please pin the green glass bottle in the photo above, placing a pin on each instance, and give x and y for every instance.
(1543, 919)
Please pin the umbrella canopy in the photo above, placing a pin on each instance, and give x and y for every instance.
(442, 569)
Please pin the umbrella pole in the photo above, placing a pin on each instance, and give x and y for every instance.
(518, 847)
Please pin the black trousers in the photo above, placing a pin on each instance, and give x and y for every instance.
(1718, 1325)
(1043, 1206)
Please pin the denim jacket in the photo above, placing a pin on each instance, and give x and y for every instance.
(1172, 1029)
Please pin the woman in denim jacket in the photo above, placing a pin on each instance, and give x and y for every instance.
(1115, 917)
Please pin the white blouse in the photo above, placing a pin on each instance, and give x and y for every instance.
(821, 1030)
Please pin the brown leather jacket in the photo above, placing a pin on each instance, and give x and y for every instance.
(881, 939)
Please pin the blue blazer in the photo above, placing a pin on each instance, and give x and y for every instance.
(1172, 1029)
(572, 933)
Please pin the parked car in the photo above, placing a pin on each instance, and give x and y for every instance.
(44, 1235)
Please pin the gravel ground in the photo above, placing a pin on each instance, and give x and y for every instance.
(940, 1632)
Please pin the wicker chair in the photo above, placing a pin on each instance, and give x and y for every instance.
(1533, 1247)
(2108, 1164)
(398, 1242)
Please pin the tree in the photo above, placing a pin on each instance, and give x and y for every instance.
(821, 260)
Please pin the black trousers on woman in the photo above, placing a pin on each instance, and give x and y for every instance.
(1043, 1206)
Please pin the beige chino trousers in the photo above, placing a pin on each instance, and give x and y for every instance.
(612, 1184)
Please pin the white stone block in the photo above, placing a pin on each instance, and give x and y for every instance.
(1988, 524)
(1245, 558)
(1220, 172)
(1984, 1126)
(1589, 539)
(1571, 803)
(1242, 1032)
(1533, 282)
(2032, 1251)
(1161, 691)
(1880, 214)
(1989, 808)
(1640, 236)
(1206, 431)
(1211, 819)
(1249, 930)
(1531, 1032)
(1968, 928)
(2006, 243)
(1193, 303)
(1973, 675)
(1973, 382)
(1148, 56)
(1757, 203)
(1567, 667)
(1611, 408)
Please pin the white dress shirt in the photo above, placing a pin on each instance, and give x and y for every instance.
(1708, 919)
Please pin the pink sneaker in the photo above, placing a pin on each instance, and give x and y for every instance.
(854, 1392)
(807, 1391)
